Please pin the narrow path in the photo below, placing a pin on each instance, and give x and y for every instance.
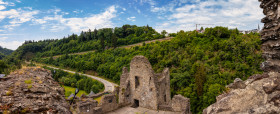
(109, 86)
(127, 46)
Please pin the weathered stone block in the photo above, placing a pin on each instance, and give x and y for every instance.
(181, 104)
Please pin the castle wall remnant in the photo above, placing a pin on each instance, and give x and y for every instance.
(109, 103)
(271, 35)
(142, 87)
(181, 104)
(139, 87)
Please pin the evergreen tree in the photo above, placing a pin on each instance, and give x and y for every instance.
(115, 40)
(95, 34)
(102, 41)
(89, 37)
(200, 78)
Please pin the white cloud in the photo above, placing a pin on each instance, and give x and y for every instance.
(59, 23)
(3, 38)
(2, 7)
(131, 19)
(11, 45)
(5, 3)
(151, 2)
(17, 16)
(230, 14)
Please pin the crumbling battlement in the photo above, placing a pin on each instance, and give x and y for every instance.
(142, 87)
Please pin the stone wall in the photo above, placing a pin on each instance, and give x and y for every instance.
(270, 35)
(109, 103)
(87, 106)
(181, 104)
(143, 83)
(142, 87)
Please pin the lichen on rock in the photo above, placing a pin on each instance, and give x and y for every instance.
(32, 90)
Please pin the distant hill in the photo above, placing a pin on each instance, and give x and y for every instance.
(98, 40)
(4, 52)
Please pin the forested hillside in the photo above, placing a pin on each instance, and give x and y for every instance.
(4, 52)
(90, 40)
(201, 65)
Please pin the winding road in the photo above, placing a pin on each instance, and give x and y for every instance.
(109, 86)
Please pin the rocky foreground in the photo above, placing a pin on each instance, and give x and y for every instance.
(32, 90)
(260, 94)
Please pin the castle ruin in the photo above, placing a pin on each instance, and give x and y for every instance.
(139, 87)
(142, 87)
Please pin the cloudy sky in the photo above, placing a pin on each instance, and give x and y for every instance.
(22, 20)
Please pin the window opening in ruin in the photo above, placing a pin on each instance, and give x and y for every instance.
(127, 95)
(150, 80)
(110, 101)
(164, 98)
(137, 83)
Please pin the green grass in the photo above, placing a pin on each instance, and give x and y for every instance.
(98, 99)
(72, 90)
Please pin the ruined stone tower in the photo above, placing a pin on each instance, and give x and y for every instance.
(271, 35)
(142, 87)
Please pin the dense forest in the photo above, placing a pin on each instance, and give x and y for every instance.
(201, 64)
(4, 52)
(97, 40)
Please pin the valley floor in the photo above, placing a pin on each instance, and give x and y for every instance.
(109, 86)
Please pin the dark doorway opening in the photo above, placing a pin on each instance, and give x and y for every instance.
(135, 103)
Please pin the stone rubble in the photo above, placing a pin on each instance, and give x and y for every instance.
(32, 90)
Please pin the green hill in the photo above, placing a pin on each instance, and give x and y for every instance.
(4, 52)
(98, 40)
(201, 65)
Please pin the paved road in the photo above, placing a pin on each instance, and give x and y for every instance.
(109, 86)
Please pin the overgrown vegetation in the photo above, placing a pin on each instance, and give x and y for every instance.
(70, 90)
(201, 65)
(77, 81)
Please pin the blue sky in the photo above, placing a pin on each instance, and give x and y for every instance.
(22, 20)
